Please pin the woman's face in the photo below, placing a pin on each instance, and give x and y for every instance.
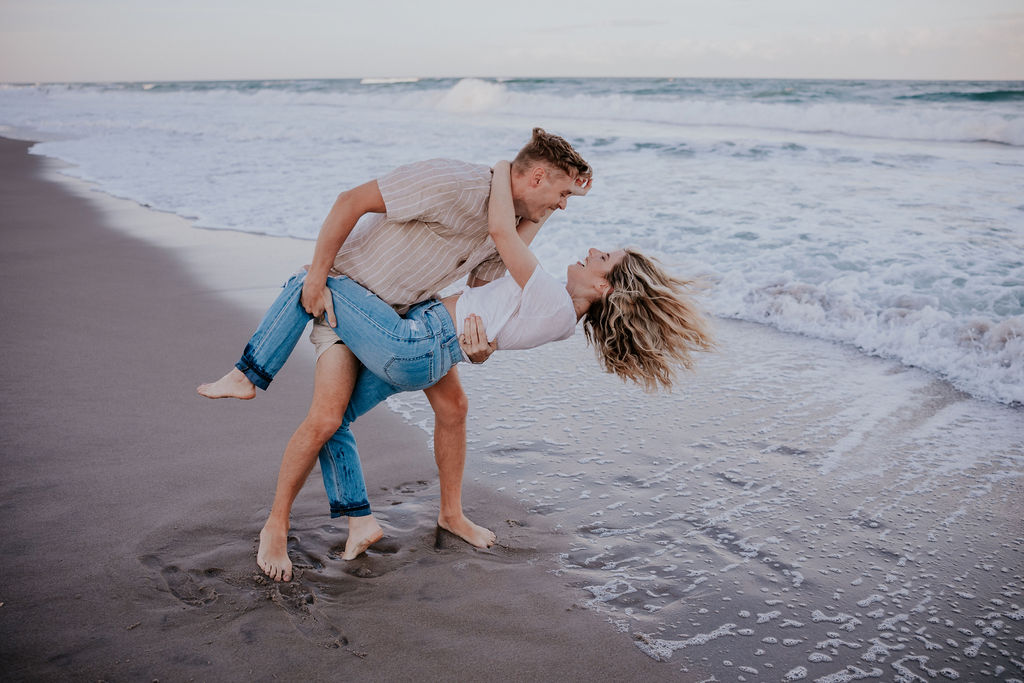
(594, 269)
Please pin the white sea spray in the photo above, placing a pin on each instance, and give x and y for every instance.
(884, 215)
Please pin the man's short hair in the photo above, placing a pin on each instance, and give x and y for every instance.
(553, 150)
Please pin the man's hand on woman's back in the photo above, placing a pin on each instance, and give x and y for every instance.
(473, 340)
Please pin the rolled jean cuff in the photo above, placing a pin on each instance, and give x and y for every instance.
(357, 511)
(255, 375)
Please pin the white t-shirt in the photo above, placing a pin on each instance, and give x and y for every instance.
(518, 318)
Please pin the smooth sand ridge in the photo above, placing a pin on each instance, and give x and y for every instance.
(131, 506)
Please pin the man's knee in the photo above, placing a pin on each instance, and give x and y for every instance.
(450, 404)
(453, 410)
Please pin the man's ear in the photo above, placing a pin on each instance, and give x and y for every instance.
(537, 175)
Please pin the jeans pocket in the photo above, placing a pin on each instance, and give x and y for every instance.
(411, 374)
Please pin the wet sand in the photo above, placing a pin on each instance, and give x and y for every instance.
(796, 510)
(131, 507)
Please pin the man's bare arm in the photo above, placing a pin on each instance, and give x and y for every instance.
(348, 208)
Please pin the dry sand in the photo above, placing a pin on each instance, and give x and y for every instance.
(131, 506)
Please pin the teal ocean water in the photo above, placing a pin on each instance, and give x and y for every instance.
(884, 215)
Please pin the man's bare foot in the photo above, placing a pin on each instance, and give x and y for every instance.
(272, 557)
(471, 533)
(362, 533)
(232, 385)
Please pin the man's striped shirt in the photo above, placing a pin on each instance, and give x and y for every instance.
(433, 233)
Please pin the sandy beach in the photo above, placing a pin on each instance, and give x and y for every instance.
(131, 506)
(795, 510)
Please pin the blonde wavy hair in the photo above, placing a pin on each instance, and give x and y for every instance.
(648, 325)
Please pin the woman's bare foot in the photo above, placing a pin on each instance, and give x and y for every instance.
(471, 533)
(362, 533)
(272, 557)
(232, 385)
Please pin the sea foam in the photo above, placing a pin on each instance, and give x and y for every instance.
(869, 213)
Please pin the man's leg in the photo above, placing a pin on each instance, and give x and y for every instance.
(335, 375)
(450, 408)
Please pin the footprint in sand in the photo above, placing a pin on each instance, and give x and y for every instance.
(186, 588)
(299, 603)
(240, 592)
(411, 487)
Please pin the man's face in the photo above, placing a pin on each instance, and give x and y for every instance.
(542, 191)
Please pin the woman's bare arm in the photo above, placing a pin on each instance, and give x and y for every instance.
(501, 224)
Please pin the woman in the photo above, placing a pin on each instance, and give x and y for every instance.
(639, 319)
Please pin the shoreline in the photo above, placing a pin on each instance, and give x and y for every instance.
(791, 479)
(266, 272)
(132, 505)
(271, 259)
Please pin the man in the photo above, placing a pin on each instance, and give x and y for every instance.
(430, 229)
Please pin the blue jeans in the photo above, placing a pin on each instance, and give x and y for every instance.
(398, 353)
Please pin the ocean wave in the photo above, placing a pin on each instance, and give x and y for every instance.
(471, 96)
(861, 119)
(844, 118)
(900, 121)
(902, 250)
(957, 96)
(977, 354)
(943, 115)
(387, 81)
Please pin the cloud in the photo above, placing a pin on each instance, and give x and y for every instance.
(979, 49)
(601, 25)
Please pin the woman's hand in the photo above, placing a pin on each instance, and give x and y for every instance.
(473, 340)
(582, 185)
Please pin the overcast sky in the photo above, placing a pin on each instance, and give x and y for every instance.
(146, 40)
